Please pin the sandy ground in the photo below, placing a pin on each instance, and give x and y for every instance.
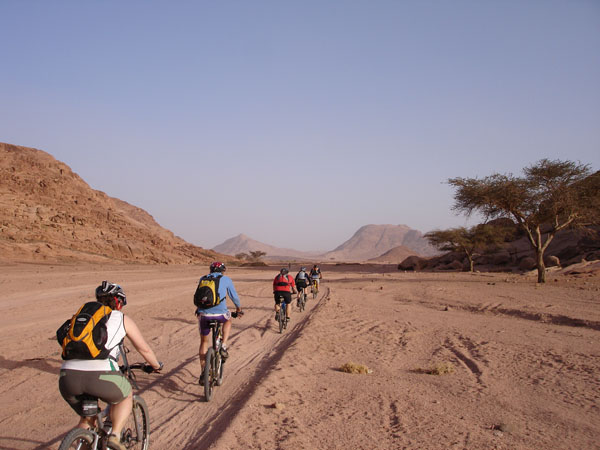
(526, 360)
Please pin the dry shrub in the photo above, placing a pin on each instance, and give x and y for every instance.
(350, 367)
(438, 369)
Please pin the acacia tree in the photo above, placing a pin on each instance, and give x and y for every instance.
(256, 255)
(552, 194)
(466, 240)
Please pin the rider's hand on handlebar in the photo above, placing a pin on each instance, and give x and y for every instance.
(149, 369)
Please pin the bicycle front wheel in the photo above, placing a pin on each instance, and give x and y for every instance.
(208, 373)
(136, 432)
(77, 438)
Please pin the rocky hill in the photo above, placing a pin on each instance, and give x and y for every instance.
(394, 255)
(372, 241)
(244, 244)
(47, 212)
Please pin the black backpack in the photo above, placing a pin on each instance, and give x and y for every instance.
(207, 292)
(84, 336)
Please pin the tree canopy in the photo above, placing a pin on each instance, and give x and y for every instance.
(552, 193)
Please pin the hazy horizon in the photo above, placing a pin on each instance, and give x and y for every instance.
(296, 123)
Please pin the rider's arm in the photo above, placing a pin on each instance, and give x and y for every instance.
(135, 336)
(232, 294)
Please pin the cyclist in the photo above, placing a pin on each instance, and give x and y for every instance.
(101, 377)
(315, 275)
(218, 312)
(283, 287)
(302, 283)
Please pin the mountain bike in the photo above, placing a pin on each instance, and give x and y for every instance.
(213, 367)
(136, 432)
(315, 288)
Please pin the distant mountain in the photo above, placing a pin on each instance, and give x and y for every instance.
(47, 212)
(244, 244)
(371, 241)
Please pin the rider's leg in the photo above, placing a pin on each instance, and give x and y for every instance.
(226, 330)
(203, 349)
(119, 413)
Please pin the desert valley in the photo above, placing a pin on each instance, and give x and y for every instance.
(456, 360)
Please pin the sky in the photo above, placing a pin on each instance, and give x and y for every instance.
(298, 122)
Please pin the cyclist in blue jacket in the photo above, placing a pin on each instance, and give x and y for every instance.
(218, 312)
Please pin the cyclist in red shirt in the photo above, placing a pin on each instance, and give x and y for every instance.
(283, 287)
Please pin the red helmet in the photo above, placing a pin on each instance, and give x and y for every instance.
(217, 267)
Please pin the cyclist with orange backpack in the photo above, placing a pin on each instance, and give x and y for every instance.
(283, 288)
(97, 374)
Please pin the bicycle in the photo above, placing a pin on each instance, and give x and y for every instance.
(315, 288)
(213, 367)
(136, 432)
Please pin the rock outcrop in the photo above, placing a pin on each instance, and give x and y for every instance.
(47, 212)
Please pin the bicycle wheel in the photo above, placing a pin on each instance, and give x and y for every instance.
(207, 375)
(282, 317)
(136, 432)
(315, 291)
(219, 364)
(77, 438)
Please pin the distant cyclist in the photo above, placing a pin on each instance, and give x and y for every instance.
(302, 282)
(315, 275)
(219, 312)
(101, 377)
(283, 287)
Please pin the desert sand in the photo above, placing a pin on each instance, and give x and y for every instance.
(525, 359)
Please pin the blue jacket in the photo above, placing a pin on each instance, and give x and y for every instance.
(226, 288)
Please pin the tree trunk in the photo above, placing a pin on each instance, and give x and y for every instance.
(471, 264)
(541, 267)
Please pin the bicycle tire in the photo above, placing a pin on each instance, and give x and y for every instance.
(281, 318)
(219, 363)
(207, 375)
(136, 432)
(75, 438)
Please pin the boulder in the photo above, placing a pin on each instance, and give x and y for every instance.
(412, 263)
(527, 263)
(551, 261)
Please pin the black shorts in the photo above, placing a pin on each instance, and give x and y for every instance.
(109, 386)
(301, 284)
(286, 296)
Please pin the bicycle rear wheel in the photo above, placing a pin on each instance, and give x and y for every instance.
(207, 376)
(77, 438)
(315, 291)
(282, 317)
(136, 432)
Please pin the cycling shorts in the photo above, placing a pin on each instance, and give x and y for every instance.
(286, 296)
(204, 318)
(301, 284)
(110, 386)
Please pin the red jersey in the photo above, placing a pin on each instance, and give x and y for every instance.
(284, 283)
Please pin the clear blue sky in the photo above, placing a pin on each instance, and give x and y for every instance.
(297, 122)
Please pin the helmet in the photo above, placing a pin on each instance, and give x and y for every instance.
(284, 271)
(111, 295)
(303, 269)
(217, 267)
